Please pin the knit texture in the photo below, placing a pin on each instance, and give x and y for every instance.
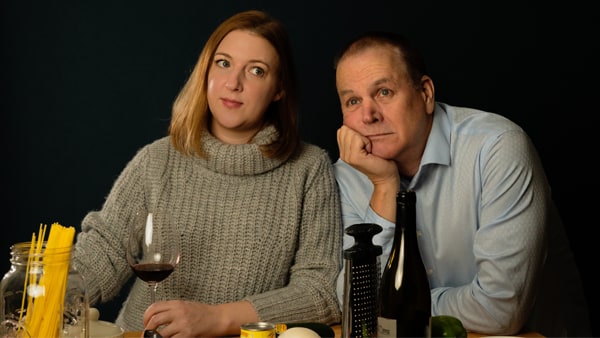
(254, 228)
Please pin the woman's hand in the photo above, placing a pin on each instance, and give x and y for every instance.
(179, 318)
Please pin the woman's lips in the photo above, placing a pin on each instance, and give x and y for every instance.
(229, 103)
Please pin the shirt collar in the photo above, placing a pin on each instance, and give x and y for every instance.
(437, 150)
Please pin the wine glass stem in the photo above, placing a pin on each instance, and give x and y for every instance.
(153, 287)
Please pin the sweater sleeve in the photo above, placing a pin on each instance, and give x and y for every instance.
(100, 247)
(310, 294)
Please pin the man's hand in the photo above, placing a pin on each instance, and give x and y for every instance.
(356, 150)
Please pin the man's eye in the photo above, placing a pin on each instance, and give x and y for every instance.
(353, 101)
(257, 71)
(385, 92)
(222, 63)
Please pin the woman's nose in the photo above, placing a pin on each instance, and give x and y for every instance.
(233, 82)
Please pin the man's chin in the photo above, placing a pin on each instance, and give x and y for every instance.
(387, 155)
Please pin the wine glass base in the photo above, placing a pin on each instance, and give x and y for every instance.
(151, 334)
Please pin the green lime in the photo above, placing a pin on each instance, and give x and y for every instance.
(447, 326)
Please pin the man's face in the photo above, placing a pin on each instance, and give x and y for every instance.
(379, 101)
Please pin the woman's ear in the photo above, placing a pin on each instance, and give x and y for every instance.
(278, 95)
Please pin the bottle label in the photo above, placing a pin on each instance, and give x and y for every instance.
(386, 327)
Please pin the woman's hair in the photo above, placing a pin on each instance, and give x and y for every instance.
(191, 115)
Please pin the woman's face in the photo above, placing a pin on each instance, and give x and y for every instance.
(242, 82)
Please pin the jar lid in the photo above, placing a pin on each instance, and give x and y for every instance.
(101, 328)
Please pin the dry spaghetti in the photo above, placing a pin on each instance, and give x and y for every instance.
(46, 280)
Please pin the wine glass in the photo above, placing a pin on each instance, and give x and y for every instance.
(153, 247)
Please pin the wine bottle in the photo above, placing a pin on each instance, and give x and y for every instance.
(404, 295)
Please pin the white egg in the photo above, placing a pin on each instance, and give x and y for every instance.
(299, 332)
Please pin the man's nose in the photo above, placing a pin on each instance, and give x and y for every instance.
(371, 111)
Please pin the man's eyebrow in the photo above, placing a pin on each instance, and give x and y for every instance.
(382, 81)
(345, 92)
(377, 83)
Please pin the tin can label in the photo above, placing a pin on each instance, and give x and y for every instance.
(258, 330)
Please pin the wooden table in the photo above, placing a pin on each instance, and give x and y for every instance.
(337, 329)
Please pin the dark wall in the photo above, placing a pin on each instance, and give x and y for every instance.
(83, 86)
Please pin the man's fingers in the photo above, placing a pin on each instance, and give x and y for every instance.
(351, 144)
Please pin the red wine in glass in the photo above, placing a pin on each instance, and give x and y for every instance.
(153, 250)
(153, 272)
(153, 247)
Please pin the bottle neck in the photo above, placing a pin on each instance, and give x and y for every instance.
(406, 219)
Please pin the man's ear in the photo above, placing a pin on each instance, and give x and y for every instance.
(428, 92)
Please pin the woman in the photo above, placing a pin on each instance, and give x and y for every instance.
(257, 209)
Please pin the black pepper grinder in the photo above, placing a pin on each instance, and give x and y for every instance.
(361, 282)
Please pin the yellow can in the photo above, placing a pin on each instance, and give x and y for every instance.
(258, 330)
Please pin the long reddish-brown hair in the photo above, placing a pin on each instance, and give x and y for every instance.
(191, 115)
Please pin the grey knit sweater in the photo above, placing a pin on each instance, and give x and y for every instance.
(251, 228)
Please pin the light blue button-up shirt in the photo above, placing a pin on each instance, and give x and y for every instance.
(489, 234)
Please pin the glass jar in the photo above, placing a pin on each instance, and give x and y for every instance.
(33, 287)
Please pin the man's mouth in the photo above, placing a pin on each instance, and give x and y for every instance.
(377, 135)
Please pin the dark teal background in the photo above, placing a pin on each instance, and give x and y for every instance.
(83, 85)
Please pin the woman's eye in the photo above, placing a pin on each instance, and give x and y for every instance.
(257, 71)
(222, 63)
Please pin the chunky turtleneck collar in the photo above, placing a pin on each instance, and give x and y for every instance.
(239, 159)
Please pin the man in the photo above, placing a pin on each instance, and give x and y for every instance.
(491, 239)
